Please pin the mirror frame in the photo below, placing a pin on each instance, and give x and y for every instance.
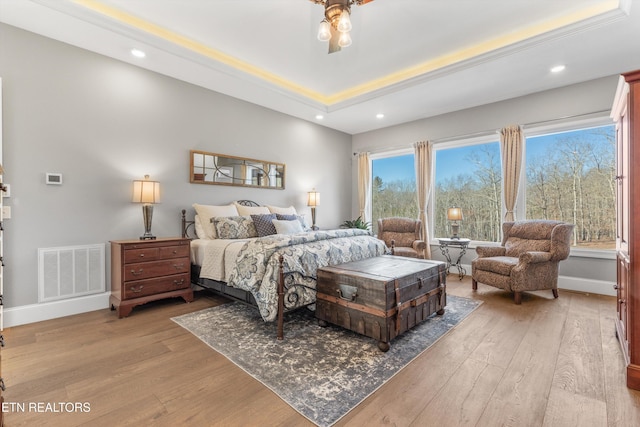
(228, 180)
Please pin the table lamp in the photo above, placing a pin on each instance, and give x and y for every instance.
(313, 200)
(146, 192)
(455, 215)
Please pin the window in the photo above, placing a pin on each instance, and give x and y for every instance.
(393, 188)
(469, 177)
(570, 177)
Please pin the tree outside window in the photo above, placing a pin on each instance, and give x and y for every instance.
(393, 188)
(571, 177)
(469, 178)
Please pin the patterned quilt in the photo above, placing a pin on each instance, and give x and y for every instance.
(256, 269)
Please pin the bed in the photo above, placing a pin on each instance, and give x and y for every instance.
(274, 272)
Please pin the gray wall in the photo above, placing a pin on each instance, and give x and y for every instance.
(584, 98)
(103, 123)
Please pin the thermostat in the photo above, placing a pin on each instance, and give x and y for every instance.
(54, 178)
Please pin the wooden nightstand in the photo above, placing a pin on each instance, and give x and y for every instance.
(148, 270)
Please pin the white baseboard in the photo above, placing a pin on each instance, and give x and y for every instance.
(31, 313)
(589, 286)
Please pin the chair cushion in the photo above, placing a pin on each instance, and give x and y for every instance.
(401, 239)
(408, 252)
(525, 236)
(498, 264)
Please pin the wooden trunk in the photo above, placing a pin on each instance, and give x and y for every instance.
(381, 297)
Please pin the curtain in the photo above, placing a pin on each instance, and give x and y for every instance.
(364, 185)
(511, 147)
(423, 157)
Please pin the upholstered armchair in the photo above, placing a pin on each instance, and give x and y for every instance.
(403, 235)
(527, 260)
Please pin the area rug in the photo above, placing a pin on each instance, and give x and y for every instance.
(322, 373)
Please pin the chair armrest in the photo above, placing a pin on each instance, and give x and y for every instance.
(534, 257)
(489, 251)
(419, 245)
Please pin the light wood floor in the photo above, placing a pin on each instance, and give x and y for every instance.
(544, 363)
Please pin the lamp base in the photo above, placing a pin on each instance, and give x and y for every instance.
(454, 230)
(314, 227)
(147, 215)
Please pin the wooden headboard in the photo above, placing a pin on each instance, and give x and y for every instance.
(189, 228)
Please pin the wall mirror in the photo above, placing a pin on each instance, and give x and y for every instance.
(220, 169)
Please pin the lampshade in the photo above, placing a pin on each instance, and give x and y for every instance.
(146, 191)
(344, 40)
(454, 214)
(324, 32)
(344, 24)
(313, 198)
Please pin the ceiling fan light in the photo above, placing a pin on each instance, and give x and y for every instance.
(344, 24)
(344, 40)
(324, 31)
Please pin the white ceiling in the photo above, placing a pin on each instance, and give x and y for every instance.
(409, 59)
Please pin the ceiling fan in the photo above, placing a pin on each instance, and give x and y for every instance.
(336, 25)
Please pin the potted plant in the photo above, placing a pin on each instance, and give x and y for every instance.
(356, 223)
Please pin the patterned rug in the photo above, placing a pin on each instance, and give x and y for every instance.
(323, 373)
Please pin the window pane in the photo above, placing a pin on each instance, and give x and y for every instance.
(393, 188)
(570, 177)
(469, 178)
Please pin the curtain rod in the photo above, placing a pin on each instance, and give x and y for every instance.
(489, 132)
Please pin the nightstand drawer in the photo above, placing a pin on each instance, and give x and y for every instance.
(174, 251)
(139, 255)
(146, 270)
(143, 288)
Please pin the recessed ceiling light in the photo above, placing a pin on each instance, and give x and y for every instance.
(138, 53)
(319, 116)
(558, 68)
(379, 116)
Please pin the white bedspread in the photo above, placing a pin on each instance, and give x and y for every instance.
(216, 257)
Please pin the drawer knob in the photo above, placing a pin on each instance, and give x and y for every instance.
(175, 252)
(141, 255)
(137, 273)
(137, 290)
(178, 282)
(178, 266)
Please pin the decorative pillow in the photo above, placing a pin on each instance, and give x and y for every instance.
(199, 228)
(264, 224)
(303, 221)
(300, 218)
(234, 227)
(252, 210)
(284, 217)
(287, 227)
(206, 212)
(284, 211)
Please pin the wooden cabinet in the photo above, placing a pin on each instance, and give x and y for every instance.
(3, 188)
(626, 113)
(148, 270)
